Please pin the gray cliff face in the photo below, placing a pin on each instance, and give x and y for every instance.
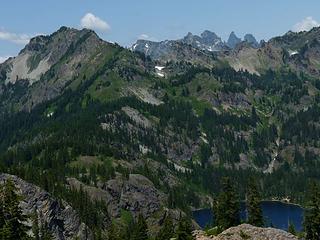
(233, 40)
(61, 220)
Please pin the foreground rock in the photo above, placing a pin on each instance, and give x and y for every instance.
(246, 231)
(62, 221)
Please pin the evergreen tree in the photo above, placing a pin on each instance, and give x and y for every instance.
(140, 231)
(45, 233)
(184, 230)
(312, 215)
(254, 204)
(291, 229)
(113, 233)
(254, 115)
(205, 153)
(167, 230)
(35, 226)
(2, 219)
(227, 207)
(14, 227)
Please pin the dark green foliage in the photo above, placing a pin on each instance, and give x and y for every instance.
(254, 204)
(35, 226)
(227, 206)
(11, 218)
(114, 232)
(75, 130)
(167, 229)
(233, 81)
(312, 215)
(220, 130)
(291, 229)
(42, 150)
(187, 76)
(140, 230)
(205, 153)
(182, 197)
(184, 230)
(45, 232)
(93, 213)
(40, 229)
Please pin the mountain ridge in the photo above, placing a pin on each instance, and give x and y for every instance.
(118, 124)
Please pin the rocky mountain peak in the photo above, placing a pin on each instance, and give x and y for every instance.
(233, 40)
(209, 37)
(43, 52)
(189, 35)
(251, 39)
(208, 41)
(36, 44)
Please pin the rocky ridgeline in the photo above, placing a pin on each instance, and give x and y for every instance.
(62, 221)
(246, 231)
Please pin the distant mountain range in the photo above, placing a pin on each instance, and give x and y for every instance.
(207, 41)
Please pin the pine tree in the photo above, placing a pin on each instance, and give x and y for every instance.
(254, 204)
(254, 115)
(167, 230)
(35, 226)
(2, 219)
(292, 229)
(14, 227)
(140, 231)
(45, 233)
(312, 215)
(227, 207)
(184, 231)
(113, 233)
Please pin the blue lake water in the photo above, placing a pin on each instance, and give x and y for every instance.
(276, 214)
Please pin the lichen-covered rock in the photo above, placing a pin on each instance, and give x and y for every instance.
(246, 231)
(61, 220)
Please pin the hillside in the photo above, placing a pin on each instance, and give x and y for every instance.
(139, 135)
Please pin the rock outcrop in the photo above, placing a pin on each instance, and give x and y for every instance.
(61, 220)
(246, 231)
(233, 40)
(137, 195)
(249, 38)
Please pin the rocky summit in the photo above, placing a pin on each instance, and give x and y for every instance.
(246, 231)
(233, 40)
(208, 41)
(249, 38)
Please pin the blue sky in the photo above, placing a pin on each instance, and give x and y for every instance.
(124, 21)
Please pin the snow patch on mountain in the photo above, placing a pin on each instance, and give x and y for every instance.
(159, 68)
(291, 52)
